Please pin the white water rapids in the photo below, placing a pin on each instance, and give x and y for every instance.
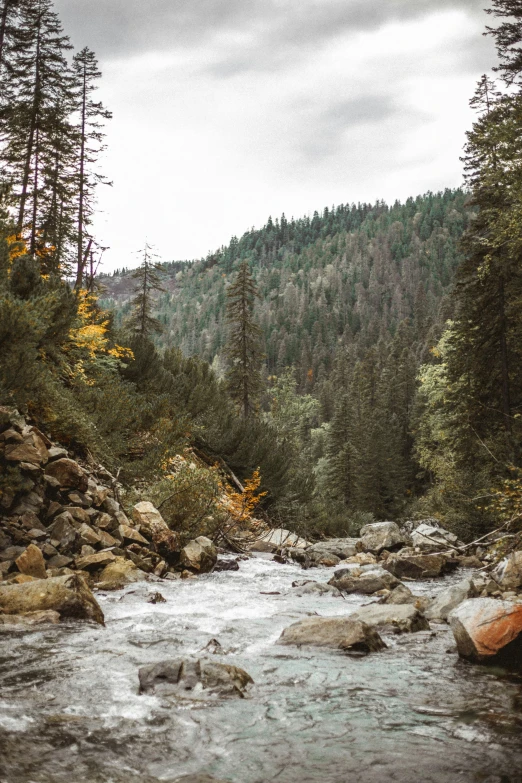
(70, 710)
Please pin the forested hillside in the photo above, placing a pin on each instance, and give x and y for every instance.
(349, 276)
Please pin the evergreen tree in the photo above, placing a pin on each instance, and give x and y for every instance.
(243, 348)
(141, 322)
(37, 97)
(89, 146)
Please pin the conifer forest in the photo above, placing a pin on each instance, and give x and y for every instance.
(339, 389)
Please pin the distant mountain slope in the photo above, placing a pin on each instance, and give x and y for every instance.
(347, 276)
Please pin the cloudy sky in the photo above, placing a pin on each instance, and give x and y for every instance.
(227, 111)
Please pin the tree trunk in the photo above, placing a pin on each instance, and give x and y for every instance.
(506, 402)
(82, 259)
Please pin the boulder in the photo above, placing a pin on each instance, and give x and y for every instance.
(488, 631)
(508, 573)
(31, 449)
(379, 536)
(313, 558)
(367, 583)
(403, 618)
(199, 555)
(448, 599)
(429, 537)
(68, 473)
(88, 535)
(131, 534)
(67, 595)
(226, 564)
(192, 678)
(279, 538)
(30, 618)
(317, 588)
(63, 531)
(95, 561)
(119, 573)
(32, 563)
(336, 547)
(399, 595)
(339, 632)
(154, 526)
(415, 566)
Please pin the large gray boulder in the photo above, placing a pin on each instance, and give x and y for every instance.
(199, 555)
(379, 536)
(67, 595)
(508, 573)
(339, 632)
(488, 631)
(324, 553)
(404, 618)
(428, 537)
(365, 582)
(192, 678)
(448, 599)
(415, 566)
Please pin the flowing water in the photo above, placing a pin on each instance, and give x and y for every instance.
(70, 710)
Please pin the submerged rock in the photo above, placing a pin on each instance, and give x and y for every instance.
(67, 595)
(30, 618)
(317, 588)
(488, 631)
(345, 633)
(349, 581)
(191, 678)
(403, 618)
(199, 555)
(379, 536)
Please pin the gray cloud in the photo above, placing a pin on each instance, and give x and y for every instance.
(127, 27)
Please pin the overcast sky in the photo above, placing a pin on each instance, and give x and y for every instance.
(228, 111)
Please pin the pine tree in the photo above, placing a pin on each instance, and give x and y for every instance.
(243, 348)
(141, 322)
(89, 146)
(37, 99)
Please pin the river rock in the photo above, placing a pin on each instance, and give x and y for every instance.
(199, 555)
(193, 678)
(32, 563)
(119, 573)
(338, 632)
(368, 582)
(68, 473)
(399, 595)
(317, 588)
(67, 595)
(429, 537)
(30, 618)
(379, 536)
(448, 599)
(508, 573)
(31, 450)
(403, 618)
(94, 561)
(153, 525)
(415, 566)
(63, 532)
(488, 631)
(279, 538)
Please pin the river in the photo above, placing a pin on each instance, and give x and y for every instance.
(70, 710)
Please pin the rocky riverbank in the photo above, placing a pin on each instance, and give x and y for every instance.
(69, 553)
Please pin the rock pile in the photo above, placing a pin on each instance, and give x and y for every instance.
(64, 518)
